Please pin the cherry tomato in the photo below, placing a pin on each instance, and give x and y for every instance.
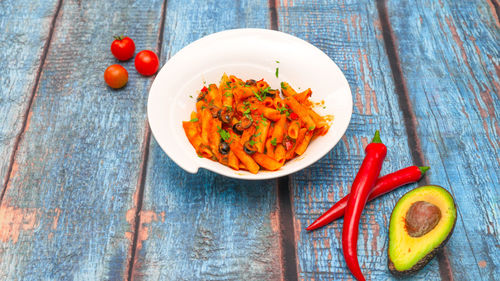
(146, 63)
(116, 76)
(123, 48)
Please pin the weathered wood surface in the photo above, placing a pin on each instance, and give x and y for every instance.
(206, 226)
(350, 33)
(77, 167)
(449, 53)
(91, 194)
(23, 39)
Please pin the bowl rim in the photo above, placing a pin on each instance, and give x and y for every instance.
(244, 175)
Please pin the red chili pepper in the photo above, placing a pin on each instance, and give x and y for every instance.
(383, 185)
(360, 190)
(204, 89)
(294, 116)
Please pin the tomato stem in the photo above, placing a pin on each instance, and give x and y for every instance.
(119, 37)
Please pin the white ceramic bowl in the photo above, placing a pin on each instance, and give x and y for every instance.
(248, 54)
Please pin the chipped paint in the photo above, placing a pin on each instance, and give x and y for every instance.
(482, 264)
(14, 220)
(57, 212)
(275, 220)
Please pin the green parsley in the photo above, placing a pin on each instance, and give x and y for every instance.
(259, 97)
(248, 116)
(311, 128)
(191, 96)
(283, 110)
(273, 142)
(251, 142)
(256, 135)
(228, 94)
(263, 118)
(277, 72)
(203, 107)
(223, 133)
(194, 120)
(228, 107)
(283, 86)
(247, 85)
(247, 111)
(228, 83)
(277, 61)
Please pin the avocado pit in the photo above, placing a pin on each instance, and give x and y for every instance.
(421, 218)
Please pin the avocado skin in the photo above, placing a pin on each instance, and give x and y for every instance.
(425, 260)
(421, 263)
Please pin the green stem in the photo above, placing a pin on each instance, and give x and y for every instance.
(423, 170)
(376, 138)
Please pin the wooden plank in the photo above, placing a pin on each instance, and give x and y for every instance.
(24, 33)
(206, 226)
(350, 33)
(452, 76)
(63, 216)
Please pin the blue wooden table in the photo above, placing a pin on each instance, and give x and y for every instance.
(86, 193)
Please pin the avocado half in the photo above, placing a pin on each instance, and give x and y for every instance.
(421, 223)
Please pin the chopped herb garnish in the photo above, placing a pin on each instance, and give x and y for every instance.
(277, 61)
(246, 103)
(228, 84)
(228, 107)
(247, 85)
(194, 120)
(256, 135)
(190, 96)
(248, 116)
(228, 94)
(247, 111)
(277, 72)
(324, 107)
(251, 142)
(263, 119)
(311, 128)
(223, 133)
(203, 107)
(259, 97)
(283, 86)
(283, 110)
(273, 142)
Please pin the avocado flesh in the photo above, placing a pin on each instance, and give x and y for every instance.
(409, 254)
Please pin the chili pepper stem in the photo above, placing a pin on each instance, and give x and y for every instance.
(423, 169)
(376, 138)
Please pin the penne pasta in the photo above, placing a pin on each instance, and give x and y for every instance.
(301, 147)
(261, 130)
(266, 162)
(250, 164)
(301, 112)
(247, 125)
(293, 130)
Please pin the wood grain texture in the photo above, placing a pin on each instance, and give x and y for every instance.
(350, 33)
(449, 54)
(64, 214)
(206, 226)
(24, 36)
